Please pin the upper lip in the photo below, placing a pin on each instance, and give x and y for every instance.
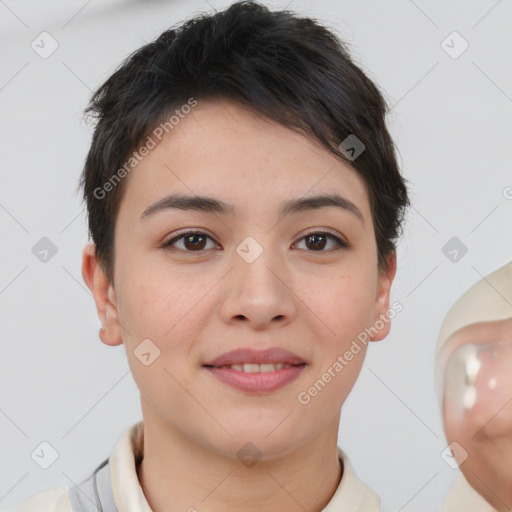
(271, 355)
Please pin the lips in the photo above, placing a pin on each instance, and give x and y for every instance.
(257, 371)
(274, 355)
(257, 382)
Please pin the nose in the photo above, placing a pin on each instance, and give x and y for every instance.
(259, 293)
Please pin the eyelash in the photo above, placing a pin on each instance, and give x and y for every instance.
(168, 243)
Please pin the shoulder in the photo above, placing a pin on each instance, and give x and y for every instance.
(55, 499)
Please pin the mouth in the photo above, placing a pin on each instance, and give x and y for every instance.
(257, 371)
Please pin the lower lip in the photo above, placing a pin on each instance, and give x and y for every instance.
(258, 381)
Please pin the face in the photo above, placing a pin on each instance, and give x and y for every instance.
(252, 275)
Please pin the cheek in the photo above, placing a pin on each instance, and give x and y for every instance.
(156, 300)
(344, 302)
(170, 311)
(158, 334)
(345, 305)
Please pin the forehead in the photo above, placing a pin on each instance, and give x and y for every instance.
(225, 150)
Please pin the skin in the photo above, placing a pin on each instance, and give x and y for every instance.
(309, 299)
(485, 430)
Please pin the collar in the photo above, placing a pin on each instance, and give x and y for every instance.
(352, 495)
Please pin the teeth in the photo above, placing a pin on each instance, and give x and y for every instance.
(257, 368)
(268, 367)
(251, 368)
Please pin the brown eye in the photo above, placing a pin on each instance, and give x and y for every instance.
(189, 242)
(316, 242)
(194, 242)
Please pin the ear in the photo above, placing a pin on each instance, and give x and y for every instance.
(104, 296)
(381, 321)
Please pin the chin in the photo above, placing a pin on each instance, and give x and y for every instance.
(257, 445)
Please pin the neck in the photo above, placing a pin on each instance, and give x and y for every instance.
(177, 474)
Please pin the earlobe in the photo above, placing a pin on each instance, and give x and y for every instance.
(381, 321)
(104, 296)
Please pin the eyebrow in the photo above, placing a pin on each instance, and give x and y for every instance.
(212, 205)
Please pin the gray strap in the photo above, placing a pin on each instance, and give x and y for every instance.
(95, 493)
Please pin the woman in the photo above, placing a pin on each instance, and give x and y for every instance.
(244, 201)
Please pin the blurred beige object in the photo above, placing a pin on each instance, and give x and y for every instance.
(462, 497)
(474, 389)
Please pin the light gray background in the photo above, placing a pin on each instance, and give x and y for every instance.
(452, 123)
